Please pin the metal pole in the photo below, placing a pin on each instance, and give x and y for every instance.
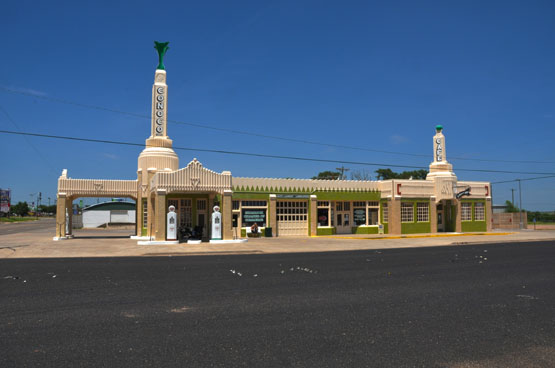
(520, 194)
(513, 196)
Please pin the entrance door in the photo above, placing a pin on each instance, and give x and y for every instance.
(183, 208)
(292, 218)
(202, 216)
(343, 220)
(440, 218)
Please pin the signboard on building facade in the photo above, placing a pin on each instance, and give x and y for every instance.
(293, 196)
(252, 215)
(5, 197)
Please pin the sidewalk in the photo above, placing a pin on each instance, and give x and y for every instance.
(38, 243)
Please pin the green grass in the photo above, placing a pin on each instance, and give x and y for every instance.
(17, 219)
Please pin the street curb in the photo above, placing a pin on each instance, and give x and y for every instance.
(506, 241)
(408, 236)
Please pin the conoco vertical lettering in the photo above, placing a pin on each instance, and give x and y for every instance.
(439, 150)
(160, 106)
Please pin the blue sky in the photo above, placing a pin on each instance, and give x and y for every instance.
(377, 75)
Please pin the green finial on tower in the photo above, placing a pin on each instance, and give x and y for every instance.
(162, 48)
(439, 128)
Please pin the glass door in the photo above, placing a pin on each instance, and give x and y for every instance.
(343, 221)
(440, 218)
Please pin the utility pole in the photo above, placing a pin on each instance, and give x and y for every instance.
(513, 196)
(32, 202)
(342, 169)
(520, 209)
(39, 199)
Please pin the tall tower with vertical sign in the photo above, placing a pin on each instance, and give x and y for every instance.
(440, 166)
(158, 154)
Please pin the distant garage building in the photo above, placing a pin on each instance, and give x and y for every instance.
(107, 213)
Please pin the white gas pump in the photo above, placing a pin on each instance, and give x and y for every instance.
(172, 224)
(216, 224)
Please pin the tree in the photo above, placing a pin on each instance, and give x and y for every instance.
(541, 216)
(47, 209)
(360, 175)
(387, 174)
(510, 207)
(327, 175)
(20, 209)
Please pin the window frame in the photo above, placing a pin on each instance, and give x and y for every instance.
(406, 205)
(482, 207)
(426, 215)
(466, 211)
(248, 204)
(324, 205)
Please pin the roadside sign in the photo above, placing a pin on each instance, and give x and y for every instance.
(5, 196)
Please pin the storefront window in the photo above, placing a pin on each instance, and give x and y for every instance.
(466, 211)
(479, 212)
(253, 215)
(422, 212)
(323, 216)
(359, 216)
(253, 212)
(407, 212)
(323, 213)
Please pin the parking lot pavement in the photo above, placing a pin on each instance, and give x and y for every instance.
(34, 240)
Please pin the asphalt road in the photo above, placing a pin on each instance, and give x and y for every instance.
(27, 226)
(462, 306)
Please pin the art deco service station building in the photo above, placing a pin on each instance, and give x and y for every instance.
(290, 207)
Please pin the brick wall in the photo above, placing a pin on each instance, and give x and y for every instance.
(509, 220)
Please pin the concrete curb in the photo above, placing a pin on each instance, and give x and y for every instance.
(505, 241)
(409, 236)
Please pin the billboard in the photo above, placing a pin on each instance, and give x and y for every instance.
(5, 200)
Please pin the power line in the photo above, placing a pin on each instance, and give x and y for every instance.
(242, 132)
(262, 155)
(43, 157)
(514, 180)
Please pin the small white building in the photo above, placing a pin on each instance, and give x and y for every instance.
(107, 213)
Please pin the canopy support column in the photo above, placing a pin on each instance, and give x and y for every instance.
(394, 204)
(61, 217)
(160, 215)
(227, 216)
(433, 214)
